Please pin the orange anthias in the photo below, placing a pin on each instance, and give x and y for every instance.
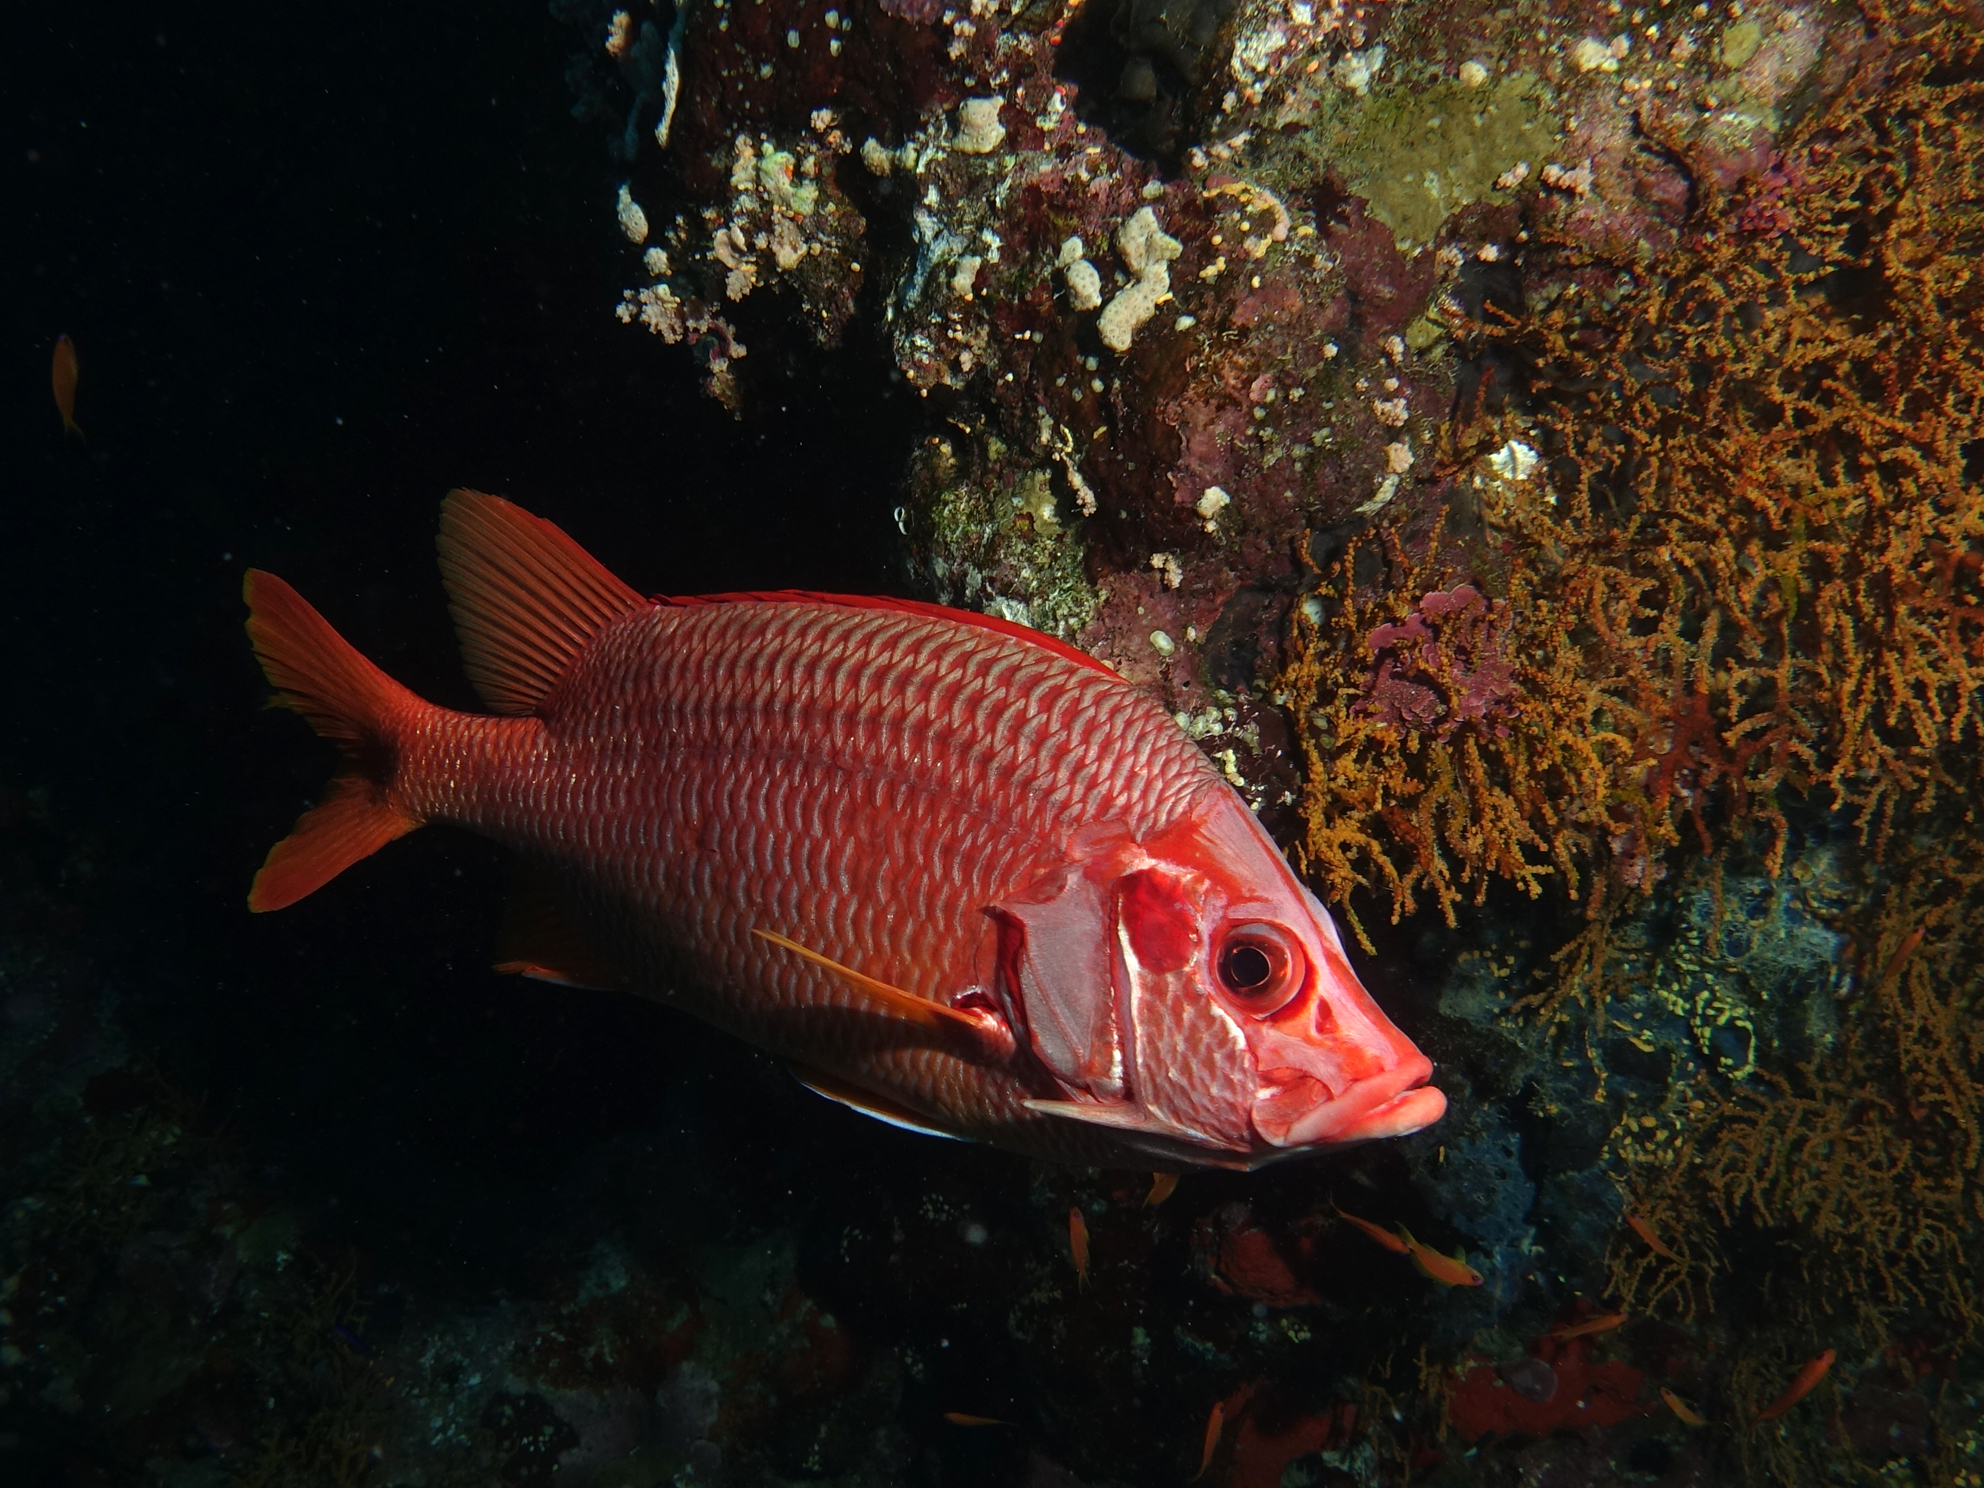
(1647, 1233)
(63, 372)
(1805, 1382)
(1603, 1323)
(1377, 1232)
(960, 875)
(1448, 1270)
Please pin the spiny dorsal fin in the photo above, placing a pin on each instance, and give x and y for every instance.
(525, 597)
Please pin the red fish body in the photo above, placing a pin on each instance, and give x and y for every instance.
(783, 813)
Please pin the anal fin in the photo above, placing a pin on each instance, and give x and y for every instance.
(539, 938)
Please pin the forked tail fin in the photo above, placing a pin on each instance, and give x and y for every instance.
(347, 700)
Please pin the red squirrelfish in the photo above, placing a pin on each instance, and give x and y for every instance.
(960, 875)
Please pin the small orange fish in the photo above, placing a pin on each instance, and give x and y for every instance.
(1680, 1408)
(64, 378)
(1162, 1186)
(1603, 1323)
(959, 1418)
(1653, 1242)
(1447, 1270)
(1901, 954)
(1378, 1233)
(1078, 1246)
(1215, 1425)
(1808, 1377)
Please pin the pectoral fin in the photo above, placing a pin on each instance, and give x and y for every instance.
(920, 1011)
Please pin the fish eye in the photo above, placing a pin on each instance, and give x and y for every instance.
(1259, 966)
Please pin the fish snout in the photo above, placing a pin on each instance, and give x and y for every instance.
(1292, 1108)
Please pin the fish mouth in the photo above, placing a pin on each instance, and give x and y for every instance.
(1392, 1104)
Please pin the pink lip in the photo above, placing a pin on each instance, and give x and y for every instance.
(1410, 1111)
(1391, 1104)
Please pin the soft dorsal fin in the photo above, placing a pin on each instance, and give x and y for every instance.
(923, 607)
(525, 597)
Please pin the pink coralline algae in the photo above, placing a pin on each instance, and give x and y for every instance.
(1764, 210)
(1241, 1258)
(919, 12)
(1444, 665)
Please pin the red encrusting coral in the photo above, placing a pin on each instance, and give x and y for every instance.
(1587, 1394)
(1238, 1256)
(1266, 1435)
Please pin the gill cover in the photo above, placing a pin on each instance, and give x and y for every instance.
(1097, 964)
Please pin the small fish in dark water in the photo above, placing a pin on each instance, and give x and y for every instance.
(1653, 1241)
(63, 375)
(1447, 1270)
(1603, 1323)
(1215, 1428)
(1681, 1410)
(1377, 1232)
(1808, 1378)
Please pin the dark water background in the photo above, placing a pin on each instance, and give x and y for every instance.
(321, 264)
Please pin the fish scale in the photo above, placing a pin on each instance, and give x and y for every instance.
(961, 875)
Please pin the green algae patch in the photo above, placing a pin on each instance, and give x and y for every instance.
(1417, 157)
(1740, 43)
(999, 535)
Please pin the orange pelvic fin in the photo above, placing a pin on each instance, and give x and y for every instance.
(525, 597)
(347, 700)
(905, 1005)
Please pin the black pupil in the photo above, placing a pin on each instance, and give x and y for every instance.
(1247, 968)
